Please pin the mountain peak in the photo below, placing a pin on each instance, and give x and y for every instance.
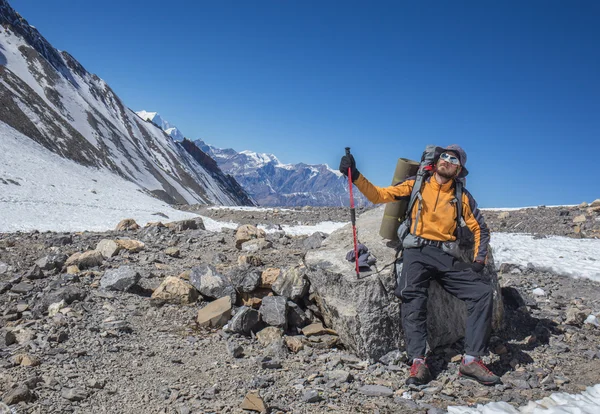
(157, 120)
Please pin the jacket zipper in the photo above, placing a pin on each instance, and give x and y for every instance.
(437, 198)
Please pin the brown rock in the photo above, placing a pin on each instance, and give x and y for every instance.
(132, 246)
(72, 270)
(254, 402)
(269, 277)
(250, 260)
(175, 290)
(25, 360)
(127, 224)
(269, 335)
(246, 233)
(294, 343)
(215, 314)
(254, 299)
(173, 252)
(317, 329)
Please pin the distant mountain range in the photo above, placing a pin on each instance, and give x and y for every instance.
(48, 96)
(272, 183)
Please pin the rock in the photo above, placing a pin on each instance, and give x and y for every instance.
(89, 259)
(127, 224)
(245, 321)
(215, 314)
(188, 224)
(503, 215)
(249, 260)
(133, 246)
(175, 290)
(311, 396)
(246, 233)
(68, 294)
(211, 283)
(256, 245)
(254, 402)
(21, 288)
(394, 357)
(595, 203)
(254, 299)
(51, 261)
(7, 338)
(34, 273)
(25, 360)
(269, 335)
(296, 316)
(250, 282)
(122, 278)
(292, 283)
(17, 395)
(269, 276)
(364, 311)
(173, 252)
(74, 394)
(376, 391)
(575, 317)
(314, 240)
(294, 343)
(108, 248)
(235, 350)
(273, 311)
(317, 329)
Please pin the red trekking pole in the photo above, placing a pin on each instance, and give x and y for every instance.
(353, 215)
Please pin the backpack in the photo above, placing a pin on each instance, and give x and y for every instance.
(428, 159)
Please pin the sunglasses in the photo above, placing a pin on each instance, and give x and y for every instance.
(449, 158)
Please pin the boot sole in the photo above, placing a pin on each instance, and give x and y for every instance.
(460, 374)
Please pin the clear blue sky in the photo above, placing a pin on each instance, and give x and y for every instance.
(516, 83)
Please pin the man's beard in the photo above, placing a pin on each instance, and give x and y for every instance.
(443, 172)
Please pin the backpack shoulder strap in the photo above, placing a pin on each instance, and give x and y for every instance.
(458, 191)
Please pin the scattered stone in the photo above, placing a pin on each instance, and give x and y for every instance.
(173, 252)
(254, 402)
(311, 396)
(269, 276)
(127, 224)
(122, 279)
(17, 395)
(269, 335)
(133, 246)
(235, 350)
(246, 233)
(175, 290)
(246, 321)
(108, 248)
(74, 394)
(215, 314)
(294, 343)
(376, 391)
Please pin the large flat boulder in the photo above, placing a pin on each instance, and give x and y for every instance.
(364, 310)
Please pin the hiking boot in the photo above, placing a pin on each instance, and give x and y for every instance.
(419, 373)
(479, 372)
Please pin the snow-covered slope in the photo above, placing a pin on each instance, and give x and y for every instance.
(157, 120)
(50, 98)
(39, 190)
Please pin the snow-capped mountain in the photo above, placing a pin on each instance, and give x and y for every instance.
(272, 183)
(51, 98)
(157, 120)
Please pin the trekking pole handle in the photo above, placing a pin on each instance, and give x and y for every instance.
(347, 150)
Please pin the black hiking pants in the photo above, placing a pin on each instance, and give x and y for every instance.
(421, 264)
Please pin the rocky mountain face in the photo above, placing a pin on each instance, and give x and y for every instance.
(272, 183)
(50, 97)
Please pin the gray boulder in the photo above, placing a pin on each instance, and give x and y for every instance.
(212, 284)
(364, 310)
(122, 278)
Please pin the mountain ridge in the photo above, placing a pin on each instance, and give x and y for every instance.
(51, 98)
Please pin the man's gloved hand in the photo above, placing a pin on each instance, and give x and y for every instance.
(346, 162)
(475, 266)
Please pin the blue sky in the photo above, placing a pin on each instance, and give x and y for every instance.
(515, 83)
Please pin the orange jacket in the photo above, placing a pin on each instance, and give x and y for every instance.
(438, 213)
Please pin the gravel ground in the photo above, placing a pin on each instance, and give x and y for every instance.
(122, 352)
